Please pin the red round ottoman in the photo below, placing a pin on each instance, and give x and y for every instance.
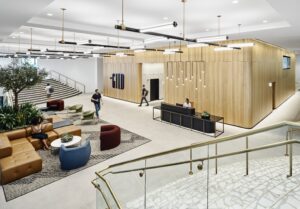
(57, 104)
(110, 137)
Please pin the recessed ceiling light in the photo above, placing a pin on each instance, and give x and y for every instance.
(207, 29)
(165, 18)
(265, 21)
(13, 37)
(49, 14)
(21, 32)
(235, 1)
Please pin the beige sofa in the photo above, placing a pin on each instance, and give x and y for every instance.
(18, 156)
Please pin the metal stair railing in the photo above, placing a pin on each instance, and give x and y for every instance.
(8, 98)
(67, 80)
(288, 142)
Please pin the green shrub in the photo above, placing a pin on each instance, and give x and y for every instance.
(12, 118)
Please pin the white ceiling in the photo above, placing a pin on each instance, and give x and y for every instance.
(95, 19)
(14, 14)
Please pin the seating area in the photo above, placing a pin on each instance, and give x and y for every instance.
(68, 154)
(18, 151)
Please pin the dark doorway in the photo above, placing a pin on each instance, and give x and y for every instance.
(154, 89)
(273, 95)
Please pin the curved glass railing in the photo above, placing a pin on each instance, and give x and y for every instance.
(186, 176)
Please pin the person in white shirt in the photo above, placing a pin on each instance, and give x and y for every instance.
(187, 103)
(48, 90)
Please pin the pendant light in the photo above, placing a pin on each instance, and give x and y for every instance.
(62, 41)
(240, 45)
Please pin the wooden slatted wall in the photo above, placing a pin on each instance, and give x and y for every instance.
(232, 84)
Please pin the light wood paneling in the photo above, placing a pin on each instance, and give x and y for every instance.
(232, 84)
(267, 67)
(133, 81)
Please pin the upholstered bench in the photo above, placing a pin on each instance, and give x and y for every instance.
(19, 165)
(37, 143)
(74, 130)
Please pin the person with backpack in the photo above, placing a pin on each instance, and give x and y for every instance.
(49, 90)
(96, 99)
(144, 95)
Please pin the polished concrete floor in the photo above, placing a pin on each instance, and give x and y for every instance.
(77, 192)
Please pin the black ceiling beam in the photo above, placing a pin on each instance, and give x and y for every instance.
(106, 46)
(67, 42)
(34, 50)
(136, 30)
(62, 51)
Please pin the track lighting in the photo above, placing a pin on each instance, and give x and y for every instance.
(218, 49)
(137, 47)
(197, 45)
(159, 27)
(168, 52)
(172, 50)
(241, 45)
(154, 40)
(139, 50)
(212, 39)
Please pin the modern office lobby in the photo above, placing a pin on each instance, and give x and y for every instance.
(199, 104)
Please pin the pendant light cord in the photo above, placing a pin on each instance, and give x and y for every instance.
(183, 18)
(63, 25)
(30, 39)
(219, 25)
(123, 25)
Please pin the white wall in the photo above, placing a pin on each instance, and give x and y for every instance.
(87, 71)
(153, 71)
(298, 69)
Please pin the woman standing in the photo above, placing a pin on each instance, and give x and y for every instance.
(37, 132)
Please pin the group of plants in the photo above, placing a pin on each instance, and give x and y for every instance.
(14, 78)
(18, 117)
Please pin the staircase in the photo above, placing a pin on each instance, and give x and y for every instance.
(37, 93)
(266, 187)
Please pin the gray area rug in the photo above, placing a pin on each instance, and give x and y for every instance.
(51, 171)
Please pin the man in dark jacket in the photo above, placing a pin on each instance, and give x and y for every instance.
(144, 94)
(96, 99)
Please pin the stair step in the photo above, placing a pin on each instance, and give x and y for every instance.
(37, 93)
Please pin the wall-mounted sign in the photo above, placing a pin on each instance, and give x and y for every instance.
(118, 81)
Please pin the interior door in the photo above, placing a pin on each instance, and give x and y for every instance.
(274, 95)
(154, 89)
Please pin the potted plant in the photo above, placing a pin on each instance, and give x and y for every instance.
(66, 138)
(13, 118)
(205, 115)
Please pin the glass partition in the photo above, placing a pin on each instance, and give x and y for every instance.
(241, 171)
(105, 196)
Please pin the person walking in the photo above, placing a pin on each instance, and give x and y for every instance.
(144, 95)
(96, 99)
(49, 90)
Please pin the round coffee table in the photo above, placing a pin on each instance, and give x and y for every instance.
(56, 144)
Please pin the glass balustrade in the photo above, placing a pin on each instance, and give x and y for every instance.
(229, 172)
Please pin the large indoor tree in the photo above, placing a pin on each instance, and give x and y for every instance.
(16, 77)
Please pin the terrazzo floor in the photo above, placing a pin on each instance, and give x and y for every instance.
(77, 190)
(266, 187)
